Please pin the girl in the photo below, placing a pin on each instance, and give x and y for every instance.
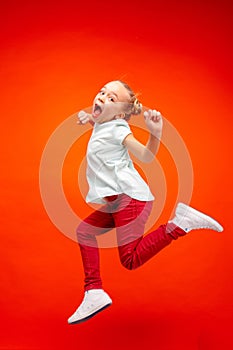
(127, 199)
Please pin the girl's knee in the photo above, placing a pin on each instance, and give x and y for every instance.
(128, 263)
(81, 232)
(86, 235)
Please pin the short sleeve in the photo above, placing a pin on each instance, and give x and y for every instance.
(121, 130)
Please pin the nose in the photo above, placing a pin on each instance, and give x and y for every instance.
(101, 98)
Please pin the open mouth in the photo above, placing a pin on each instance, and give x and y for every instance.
(97, 111)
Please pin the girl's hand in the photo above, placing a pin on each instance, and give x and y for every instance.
(83, 118)
(154, 122)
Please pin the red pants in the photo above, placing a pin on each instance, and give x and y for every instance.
(129, 217)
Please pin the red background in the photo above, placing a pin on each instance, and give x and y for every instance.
(54, 57)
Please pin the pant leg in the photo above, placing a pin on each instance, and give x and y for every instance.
(136, 253)
(97, 223)
(134, 249)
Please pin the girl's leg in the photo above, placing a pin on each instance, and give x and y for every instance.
(95, 298)
(136, 253)
(95, 224)
(134, 249)
(131, 223)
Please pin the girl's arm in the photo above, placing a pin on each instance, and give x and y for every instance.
(146, 154)
(84, 118)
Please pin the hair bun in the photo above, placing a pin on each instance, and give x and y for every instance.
(137, 107)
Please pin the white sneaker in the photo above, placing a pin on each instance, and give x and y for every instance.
(189, 219)
(94, 301)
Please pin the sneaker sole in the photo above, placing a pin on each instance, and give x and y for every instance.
(186, 208)
(92, 315)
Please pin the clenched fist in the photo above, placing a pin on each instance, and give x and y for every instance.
(154, 122)
(83, 118)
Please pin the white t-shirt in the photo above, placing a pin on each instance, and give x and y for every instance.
(110, 170)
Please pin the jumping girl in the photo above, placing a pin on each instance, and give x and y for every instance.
(126, 197)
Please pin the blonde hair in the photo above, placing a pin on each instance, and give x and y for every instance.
(135, 105)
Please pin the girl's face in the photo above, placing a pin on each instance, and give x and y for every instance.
(111, 102)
